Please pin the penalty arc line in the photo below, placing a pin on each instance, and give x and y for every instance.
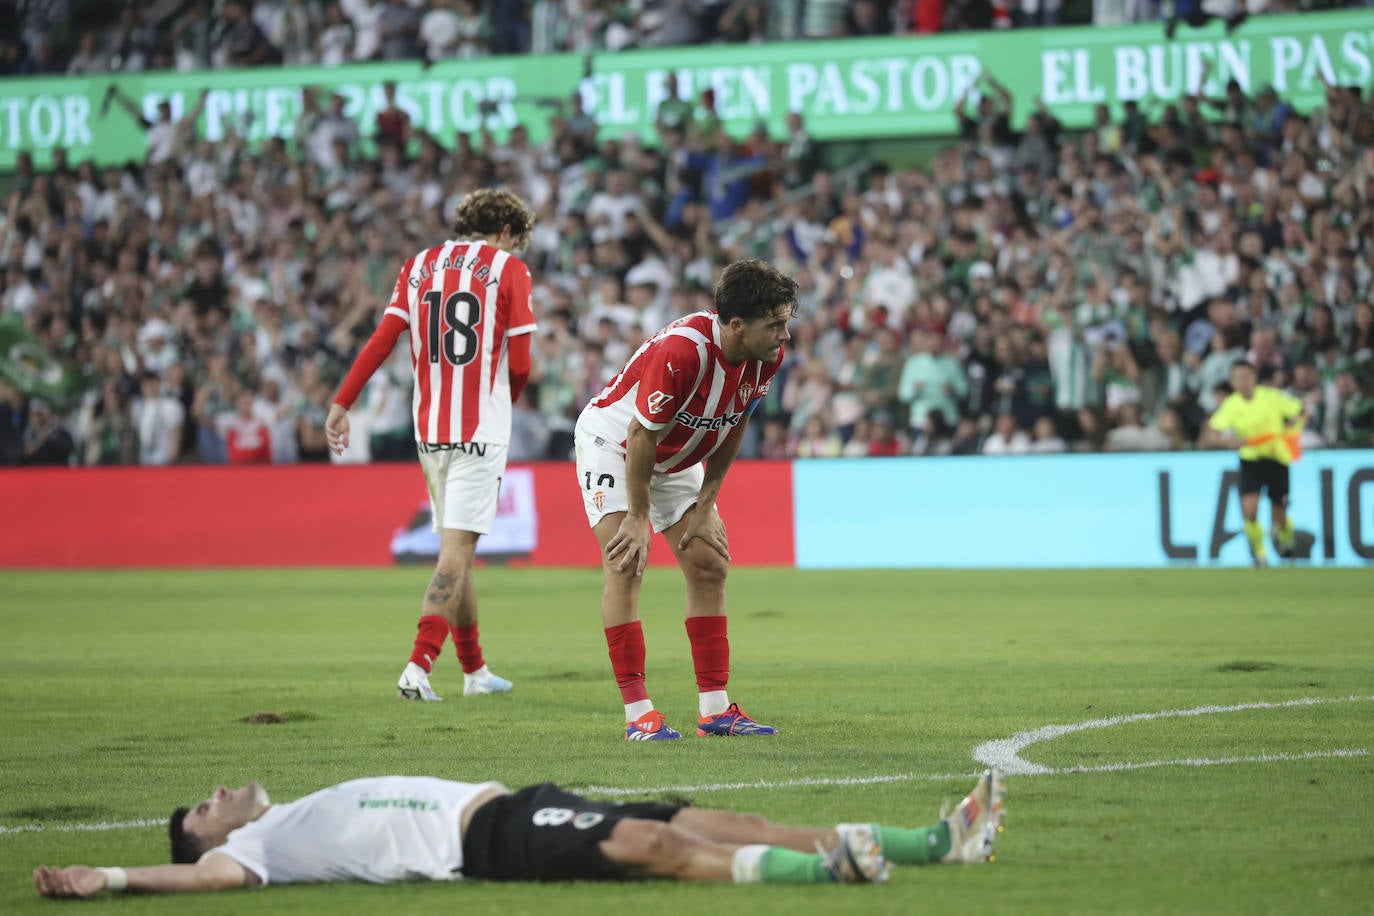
(1005, 753)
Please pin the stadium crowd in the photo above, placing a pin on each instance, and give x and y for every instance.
(1027, 291)
(96, 36)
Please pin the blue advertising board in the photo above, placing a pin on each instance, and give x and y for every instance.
(1137, 510)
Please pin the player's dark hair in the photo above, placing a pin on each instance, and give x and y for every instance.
(753, 289)
(489, 210)
(187, 848)
(1246, 363)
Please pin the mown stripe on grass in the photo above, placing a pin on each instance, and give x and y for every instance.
(911, 777)
(1003, 753)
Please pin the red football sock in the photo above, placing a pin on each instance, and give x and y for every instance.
(626, 645)
(710, 651)
(469, 649)
(429, 639)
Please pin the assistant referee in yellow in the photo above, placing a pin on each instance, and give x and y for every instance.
(1264, 423)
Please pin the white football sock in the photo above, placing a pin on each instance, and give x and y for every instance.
(745, 867)
(638, 708)
(713, 702)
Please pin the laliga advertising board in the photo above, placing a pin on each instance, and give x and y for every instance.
(1128, 510)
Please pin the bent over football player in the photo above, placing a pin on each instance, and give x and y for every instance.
(652, 451)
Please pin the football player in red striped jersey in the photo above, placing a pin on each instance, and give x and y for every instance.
(466, 307)
(652, 451)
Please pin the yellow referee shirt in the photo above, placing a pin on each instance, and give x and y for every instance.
(1259, 422)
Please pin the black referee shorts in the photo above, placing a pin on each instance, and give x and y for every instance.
(543, 833)
(1265, 474)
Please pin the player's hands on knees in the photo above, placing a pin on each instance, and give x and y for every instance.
(336, 428)
(707, 525)
(72, 881)
(631, 544)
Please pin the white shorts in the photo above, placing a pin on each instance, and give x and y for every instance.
(601, 477)
(464, 482)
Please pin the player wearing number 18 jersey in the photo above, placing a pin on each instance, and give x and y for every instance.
(465, 308)
(652, 452)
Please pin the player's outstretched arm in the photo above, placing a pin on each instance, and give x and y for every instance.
(213, 873)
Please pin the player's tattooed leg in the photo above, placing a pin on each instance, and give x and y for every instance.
(442, 589)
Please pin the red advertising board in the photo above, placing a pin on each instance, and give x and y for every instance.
(315, 515)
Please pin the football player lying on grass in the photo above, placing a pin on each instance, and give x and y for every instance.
(400, 828)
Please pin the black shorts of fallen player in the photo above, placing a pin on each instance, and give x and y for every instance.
(544, 833)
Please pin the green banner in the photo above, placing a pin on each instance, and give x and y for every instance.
(861, 88)
(445, 99)
(908, 86)
(27, 365)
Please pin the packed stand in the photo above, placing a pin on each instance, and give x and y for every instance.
(84, 37)
(1032, 291)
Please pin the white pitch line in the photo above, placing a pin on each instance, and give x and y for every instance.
(82, 828)
(1005, 753)
(1040, 771)
(781, 784)
(1203, 761)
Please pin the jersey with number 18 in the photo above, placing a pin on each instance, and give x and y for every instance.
(461, 301)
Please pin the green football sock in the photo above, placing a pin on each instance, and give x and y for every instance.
(921, 846)
(788, 866)
(1284, 532)
(1255, 532)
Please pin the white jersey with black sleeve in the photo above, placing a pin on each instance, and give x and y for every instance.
(382, 830)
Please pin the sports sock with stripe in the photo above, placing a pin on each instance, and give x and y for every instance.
(429, 640)
(625, 644)
(711, 659)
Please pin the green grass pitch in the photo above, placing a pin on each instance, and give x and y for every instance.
(124, 694)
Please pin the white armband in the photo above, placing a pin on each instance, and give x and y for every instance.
(116, 879)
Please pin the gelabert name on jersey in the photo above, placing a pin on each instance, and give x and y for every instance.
(450, 263)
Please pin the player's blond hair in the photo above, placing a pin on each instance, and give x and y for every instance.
(487, 211)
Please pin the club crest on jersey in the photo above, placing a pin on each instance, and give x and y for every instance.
(599, 497)
(745, 390)
(658, 400)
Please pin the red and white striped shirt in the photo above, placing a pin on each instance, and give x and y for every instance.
(461, 302)
(246, 440)
(679, 376)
